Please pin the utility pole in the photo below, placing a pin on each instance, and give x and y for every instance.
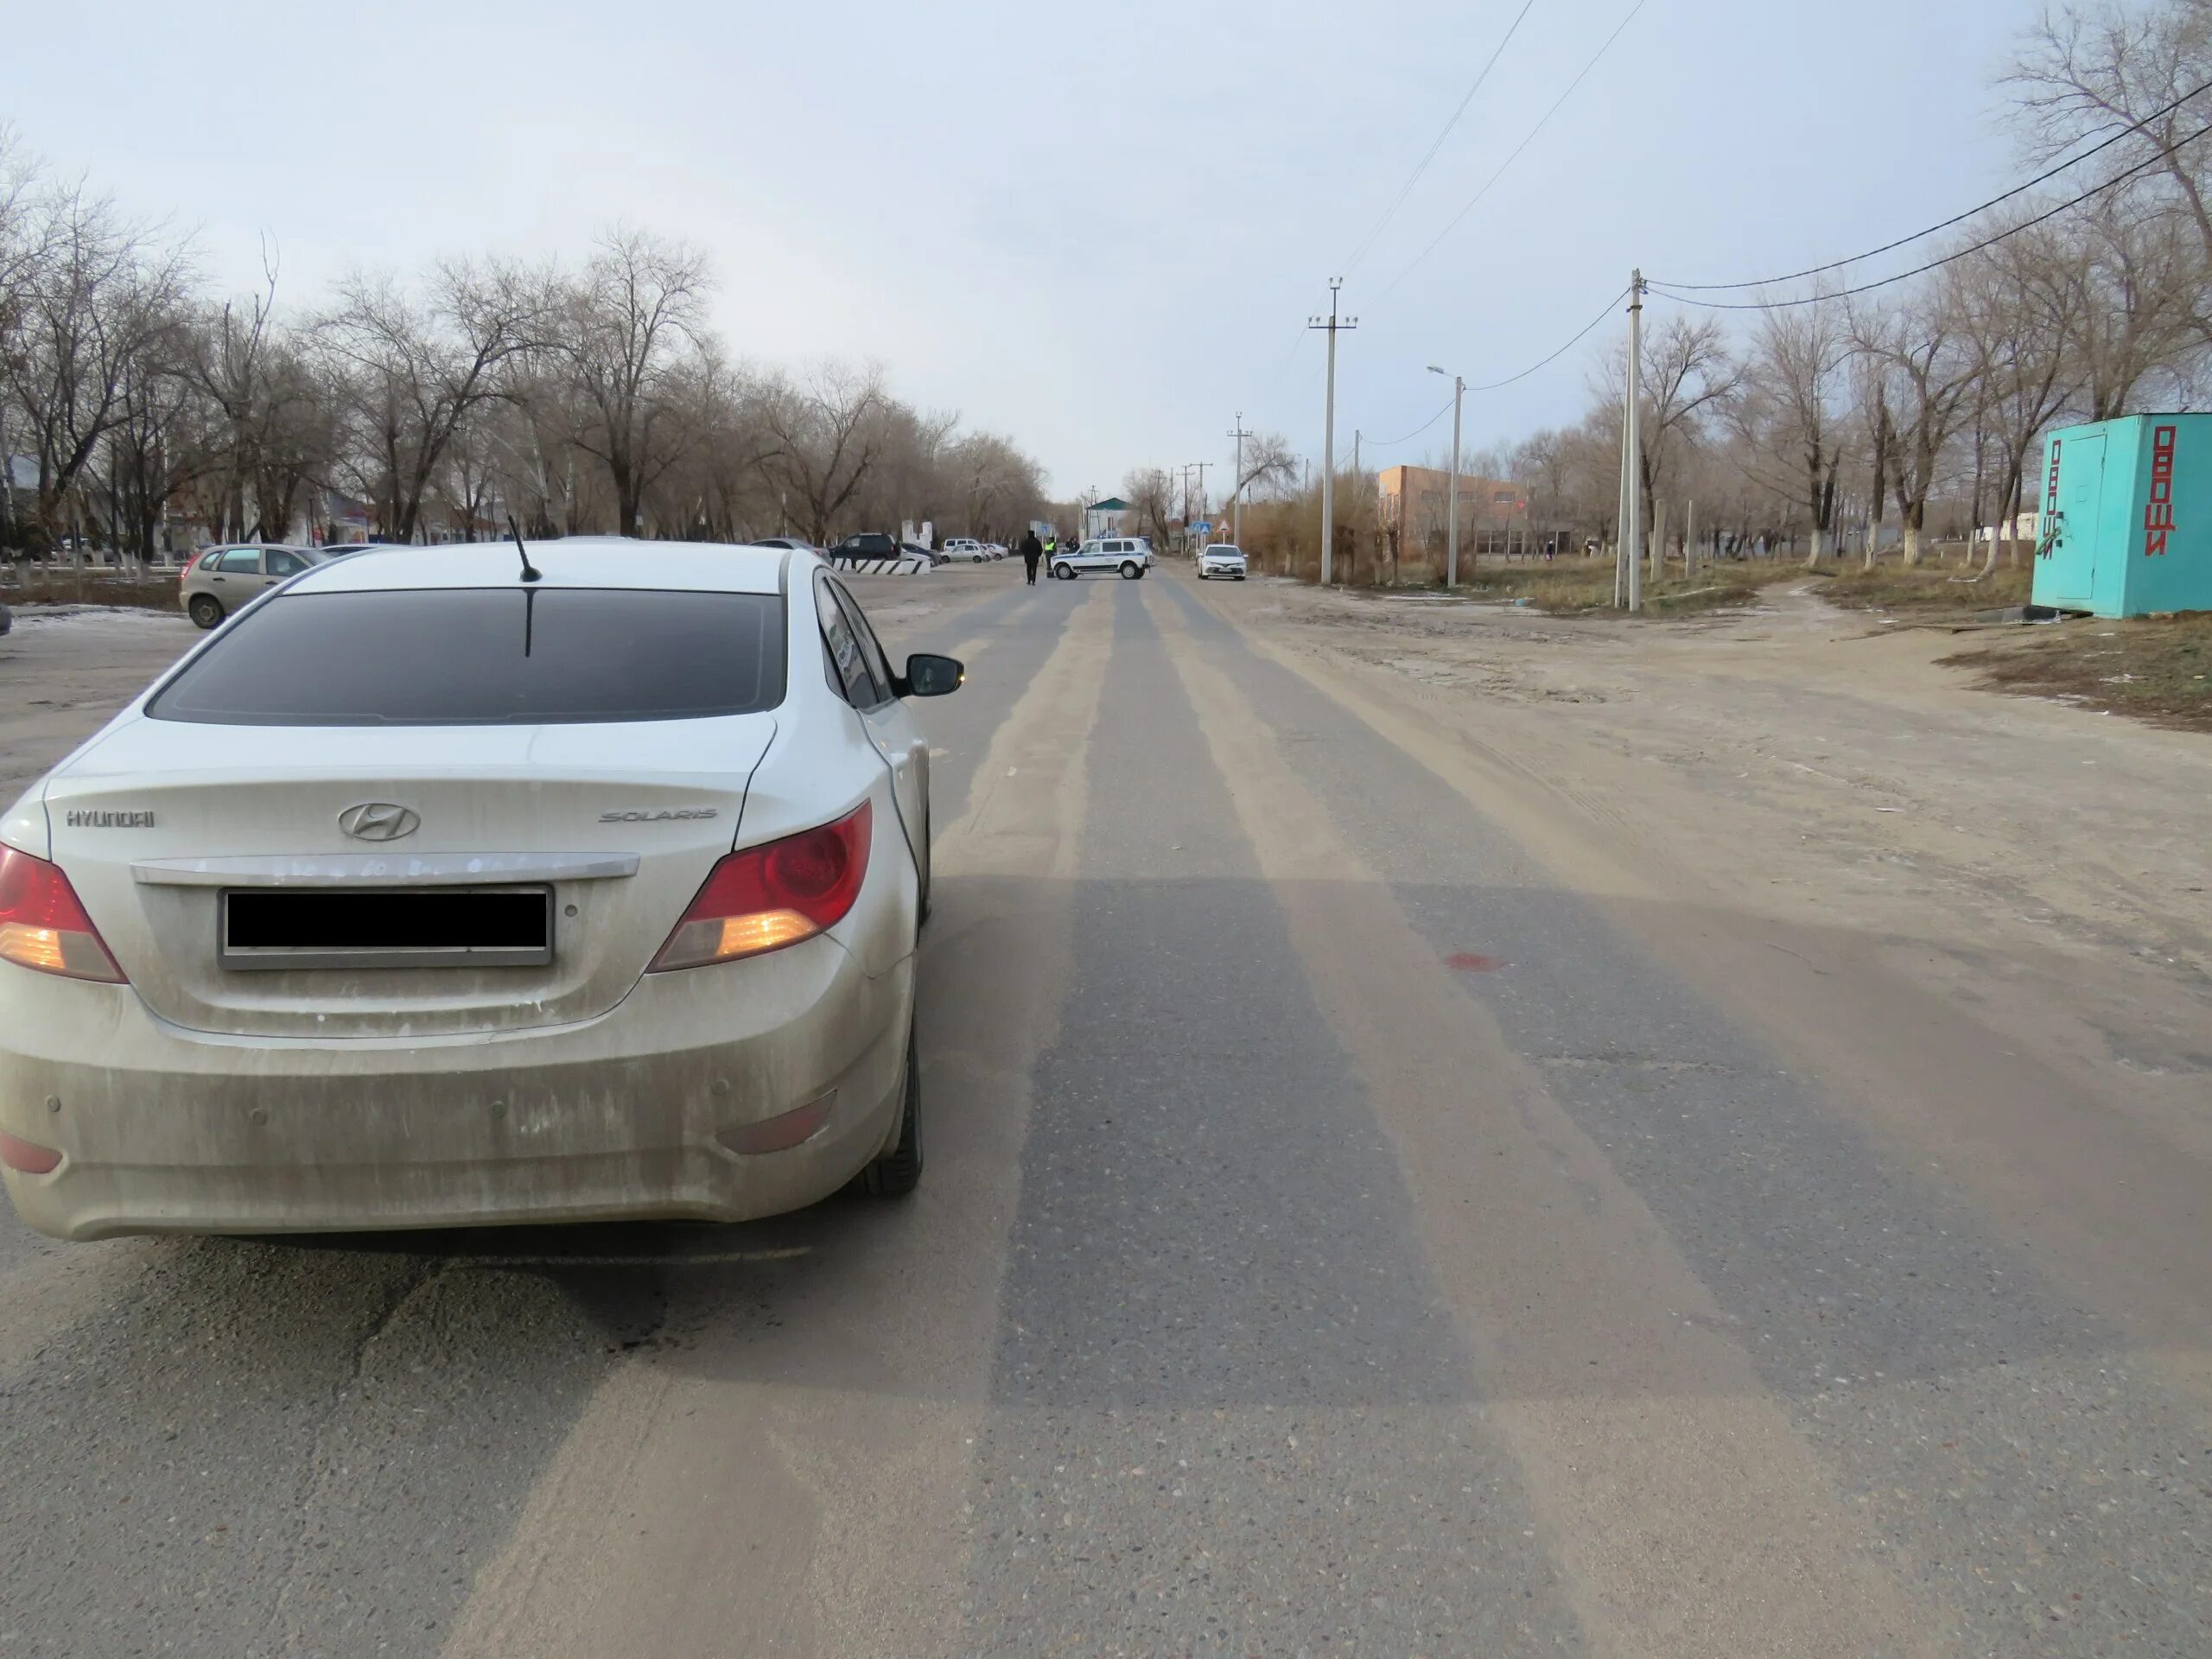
(1237, 530)
(1335, 326)
(1689, 541)
(1199, 466)
(1620, 522)
(1635, 424)
(1451, 508)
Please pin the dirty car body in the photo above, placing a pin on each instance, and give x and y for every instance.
(421, 896)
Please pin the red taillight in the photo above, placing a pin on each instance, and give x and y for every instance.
(43, 926)
(770, 896)
(27, 1155)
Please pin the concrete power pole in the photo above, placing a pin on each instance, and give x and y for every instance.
(1236, 505)
(1335, 326)
(1635, 425)
(1620, 520)
(1451, 508)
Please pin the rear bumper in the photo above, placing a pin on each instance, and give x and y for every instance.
(629, 1116)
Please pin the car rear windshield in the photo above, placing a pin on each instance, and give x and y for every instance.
(485, 656)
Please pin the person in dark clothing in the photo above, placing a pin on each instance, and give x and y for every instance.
(1032, 550)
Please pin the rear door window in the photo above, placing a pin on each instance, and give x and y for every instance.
(871, 652)
(485, 657)
(849, 676)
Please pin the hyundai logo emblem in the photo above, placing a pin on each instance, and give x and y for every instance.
(379, 821)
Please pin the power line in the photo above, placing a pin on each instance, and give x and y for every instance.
(2043, 177)
(1360, 252)
(1518, 148)
(1392, 443)
(1580, 334)
(1283, 367)
(1936, 264)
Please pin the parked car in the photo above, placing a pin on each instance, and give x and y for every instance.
(1221, 560)
(1131, 555)
(6, 621)
(966, 550)
(419, 896)
(868, 545)
(791, 543)
(224, 579)
(916, 551)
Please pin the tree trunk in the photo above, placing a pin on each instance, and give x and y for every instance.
(1912, 536)
(1658, 541)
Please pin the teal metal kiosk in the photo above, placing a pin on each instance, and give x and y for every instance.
(2126, 519)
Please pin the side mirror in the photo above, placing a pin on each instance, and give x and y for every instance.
(931, 675)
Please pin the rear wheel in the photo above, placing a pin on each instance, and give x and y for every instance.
(205, 610)
(898, 1170)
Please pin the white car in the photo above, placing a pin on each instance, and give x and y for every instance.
(1221, 560)
(965, 550)
(425, 893)
(1129, 555)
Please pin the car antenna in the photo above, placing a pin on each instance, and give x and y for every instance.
(530, 572)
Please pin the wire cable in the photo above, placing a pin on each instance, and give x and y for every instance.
(1667, 292)
(1360, 252)
(2043, 177)
(1283, 367)
(1580, 334)
(1517, 149)
(1392, 443)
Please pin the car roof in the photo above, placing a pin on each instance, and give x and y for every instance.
(575, 561)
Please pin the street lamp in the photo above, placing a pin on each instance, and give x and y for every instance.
(1452, 542)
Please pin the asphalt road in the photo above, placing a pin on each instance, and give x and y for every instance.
(1355, 1223)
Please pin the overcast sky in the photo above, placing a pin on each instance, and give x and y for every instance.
(1099, 229)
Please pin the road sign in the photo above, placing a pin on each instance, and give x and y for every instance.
(1204, 527)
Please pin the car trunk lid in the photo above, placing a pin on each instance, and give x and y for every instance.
(616, 824)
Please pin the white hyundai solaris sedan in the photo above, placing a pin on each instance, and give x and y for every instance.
(435, 889)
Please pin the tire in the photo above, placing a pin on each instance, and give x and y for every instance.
(205, 610)
(899, 1171)
(1131, 570)
(1065, 573)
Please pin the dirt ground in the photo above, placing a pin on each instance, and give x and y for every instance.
(2051, 865)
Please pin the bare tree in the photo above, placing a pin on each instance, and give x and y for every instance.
(1155, 498)
(625, 325)
(415, 367)
(1790, 414)
(1270, 466)
(1001, 486)
(2022, 302)
(87, 307)
(1936, 374)
(1687, 370)
(826, 436)
(1871, 400)
(2089, 70)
